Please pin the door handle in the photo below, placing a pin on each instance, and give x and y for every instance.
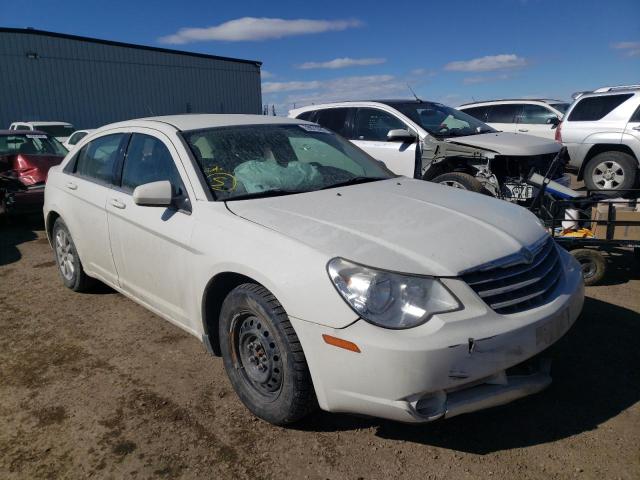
(523, 130)
(72, 186)
(118, 204)
(635, 128)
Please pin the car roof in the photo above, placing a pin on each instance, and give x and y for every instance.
(196, 121)
(37, 122)
(543, 100)
(5, 133)
(337, 104)
(613, 91)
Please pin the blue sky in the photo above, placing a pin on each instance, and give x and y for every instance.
(318, 51)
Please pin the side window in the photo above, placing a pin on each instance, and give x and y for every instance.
(148, 160)
(305, 115)
(503, 113)
(478, 112)
(97, 159)
(636, 116)
(596, 108)
(23, 127)
(76, 137)
(536, 114)
(373, 124)
(334, 119)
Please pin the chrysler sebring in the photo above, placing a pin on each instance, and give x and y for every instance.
(321, 278)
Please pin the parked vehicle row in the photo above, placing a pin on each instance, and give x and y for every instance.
(601, 130)
(538, 117)
(431, 141)
(60, 130)
(320, 277)
(25, 159)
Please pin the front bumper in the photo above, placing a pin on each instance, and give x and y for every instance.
(455, 363)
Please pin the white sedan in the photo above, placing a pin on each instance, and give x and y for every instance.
(318, 276)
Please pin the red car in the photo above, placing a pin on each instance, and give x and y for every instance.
(25, 160)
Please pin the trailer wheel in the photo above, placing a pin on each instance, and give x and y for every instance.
(593, 265)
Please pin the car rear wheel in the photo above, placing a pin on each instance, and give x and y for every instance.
(460, 180)
(611, 171)
(263, 357)
(67, 259)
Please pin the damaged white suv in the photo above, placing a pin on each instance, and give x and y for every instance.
(318, 275)
(434, 142)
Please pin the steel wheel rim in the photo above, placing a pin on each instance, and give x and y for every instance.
(588, 268)
(257, 355)
(453, 183)
(64, 255)
(608, 175)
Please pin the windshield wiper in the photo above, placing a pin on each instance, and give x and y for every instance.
(354, 181)
(276, 192)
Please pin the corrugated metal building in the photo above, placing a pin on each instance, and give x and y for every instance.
(88, 82)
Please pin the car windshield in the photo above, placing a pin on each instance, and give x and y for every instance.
(561, 107)
(442, 121)
(56, 130)
(265, 160)
(31, 144)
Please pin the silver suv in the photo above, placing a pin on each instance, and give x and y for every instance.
(601, 130)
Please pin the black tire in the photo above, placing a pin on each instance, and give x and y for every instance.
(593, 263)
(617, 164)
(67, 259)
(460, 180)
(255, 334)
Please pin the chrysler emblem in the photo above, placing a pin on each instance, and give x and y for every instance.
(527, 255)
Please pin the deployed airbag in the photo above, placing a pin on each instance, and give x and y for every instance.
(260, 176)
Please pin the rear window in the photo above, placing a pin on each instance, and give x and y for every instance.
(36, 144)
(56, 130)
(306, 115)
(596, 108)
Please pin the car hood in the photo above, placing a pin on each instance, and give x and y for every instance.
(508, 143)
(399, 224)
(29, 169)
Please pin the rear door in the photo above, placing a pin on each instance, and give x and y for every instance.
(150, 245)
(533, 121)
(370, 128)
(503, 116)
(88, 180)
(631, 135)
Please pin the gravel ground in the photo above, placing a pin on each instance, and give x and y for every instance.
(94, 386)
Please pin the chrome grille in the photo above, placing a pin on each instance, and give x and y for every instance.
(518, 285)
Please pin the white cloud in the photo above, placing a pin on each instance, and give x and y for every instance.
(254, 29)
(487, 64)
(264, 74)
(277, 87)
(630, 49)
(342, 63)
(486, 78)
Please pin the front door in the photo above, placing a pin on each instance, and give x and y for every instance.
(534, 121)
(150, 245)
(370, 129)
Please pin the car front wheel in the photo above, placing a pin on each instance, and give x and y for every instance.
(263, 357)
(611, 171)
(460, 180)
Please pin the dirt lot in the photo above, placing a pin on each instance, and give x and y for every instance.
(94, 386)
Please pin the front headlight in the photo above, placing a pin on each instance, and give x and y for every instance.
(390, 300)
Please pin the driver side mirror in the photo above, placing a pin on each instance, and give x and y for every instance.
(400, 135)
(154, 194)
(553, 121)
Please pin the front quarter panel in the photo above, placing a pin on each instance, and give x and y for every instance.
(294, 272)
